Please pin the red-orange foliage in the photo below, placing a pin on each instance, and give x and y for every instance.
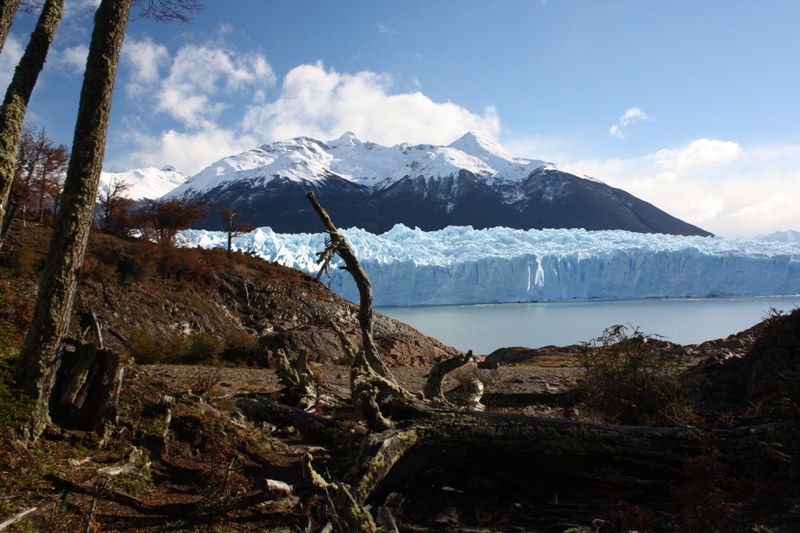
(168, 217)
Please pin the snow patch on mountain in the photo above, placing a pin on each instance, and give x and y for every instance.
(460, 265)
(146, 183)
(303, 159)
(781, 236)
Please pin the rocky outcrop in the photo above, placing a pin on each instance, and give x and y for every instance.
(288, 311)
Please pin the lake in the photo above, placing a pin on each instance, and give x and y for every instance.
(484, 328)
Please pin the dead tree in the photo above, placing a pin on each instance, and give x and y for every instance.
(419, 440)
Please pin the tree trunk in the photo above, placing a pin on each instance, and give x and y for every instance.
(15, 105)
(8, 8)
(40, 356)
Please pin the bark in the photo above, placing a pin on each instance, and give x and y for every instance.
(433, 386)
(260, 408)
(8, 8)
(298, 379)
(18, 94)
(41, 352)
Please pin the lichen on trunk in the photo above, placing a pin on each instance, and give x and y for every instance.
(40, 355)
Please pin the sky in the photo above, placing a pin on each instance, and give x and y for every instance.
(692, 106)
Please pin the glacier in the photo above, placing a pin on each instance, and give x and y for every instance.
(461, 265)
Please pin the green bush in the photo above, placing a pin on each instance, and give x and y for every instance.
(144, 346)
(148, 348)
(242, 347)
(203, 347)
(629, 381)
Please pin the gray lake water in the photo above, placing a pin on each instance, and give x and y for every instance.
(484, 328)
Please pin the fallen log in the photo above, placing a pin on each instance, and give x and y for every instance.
(419, 445)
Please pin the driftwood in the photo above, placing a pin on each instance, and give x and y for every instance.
(421, 441)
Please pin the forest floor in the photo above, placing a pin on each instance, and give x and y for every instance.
(181, 457)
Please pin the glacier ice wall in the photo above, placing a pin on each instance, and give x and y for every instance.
(460, 265)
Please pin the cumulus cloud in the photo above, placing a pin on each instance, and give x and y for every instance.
(71, 59)
(324, 104)
(12, 53)
(197, 79)
(189, 152)
(146, 60)
(384, 29)
(631, 116)
(718, 185)
(699, 153)
(192, 86)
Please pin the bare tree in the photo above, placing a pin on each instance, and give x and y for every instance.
(232, 227)
(8, 8)
(29, 155)
(114, 204)
(15, 105)
(54, 162)
(168, 10)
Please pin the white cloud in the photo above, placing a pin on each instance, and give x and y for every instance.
(197, 81)
(12, 53)
(717, 185)
(384, 29)
(71, 59)
(699, 153)
(146, 60)
(631, 116)
(189, 152)
(325, 104)
(191, 87)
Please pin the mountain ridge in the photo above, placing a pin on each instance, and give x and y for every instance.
(470, 182)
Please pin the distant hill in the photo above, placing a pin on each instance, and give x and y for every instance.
(781, 236)
(471, 182)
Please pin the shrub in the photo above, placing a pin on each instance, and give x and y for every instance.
(25, 263)
(629, 381)
(203, 347)
(144, 346)
(242, 347)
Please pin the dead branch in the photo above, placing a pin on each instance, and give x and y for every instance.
(433, 386)
(298, 379)
(261, 408)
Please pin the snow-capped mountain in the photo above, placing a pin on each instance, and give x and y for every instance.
(781, 236)
(145, 183)
(471, 182)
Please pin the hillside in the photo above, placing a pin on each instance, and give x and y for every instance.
(186, 456)
(154, 302)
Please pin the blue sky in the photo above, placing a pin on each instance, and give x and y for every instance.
(690, 105)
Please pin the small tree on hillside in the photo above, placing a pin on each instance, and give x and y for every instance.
(232, 227)
(115, 204)
(168, 217)
(52, 170)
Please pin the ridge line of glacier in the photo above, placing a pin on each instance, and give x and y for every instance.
(461, 265)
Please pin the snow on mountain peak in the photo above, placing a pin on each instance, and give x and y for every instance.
(145, 183)
(365, 163)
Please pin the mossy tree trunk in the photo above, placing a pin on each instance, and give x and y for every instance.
(18, 94)
(38, 361)
(8, 8)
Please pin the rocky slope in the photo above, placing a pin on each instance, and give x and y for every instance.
(136, 287)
